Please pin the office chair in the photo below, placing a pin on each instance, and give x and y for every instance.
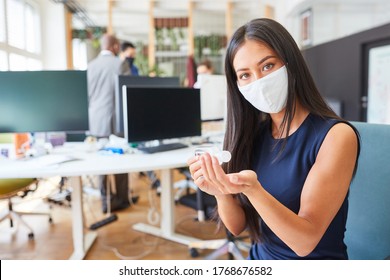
(10, 188)
(368, 225)
(184, 186)
(205, 205)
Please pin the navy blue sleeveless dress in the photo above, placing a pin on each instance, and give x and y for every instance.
(283, 177)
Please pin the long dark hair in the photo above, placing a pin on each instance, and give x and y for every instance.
(244, 120)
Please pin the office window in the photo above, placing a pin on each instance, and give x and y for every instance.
(306, 18)
(20, 63)
(2, 22)
(80, 59)
(17, 62)
(34, 64)
(15, 23)
(32, 29)
(23, 31)
(3, 61)
(20, 35)
(377, 58)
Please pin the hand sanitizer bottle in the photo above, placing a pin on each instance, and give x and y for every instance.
(222, 156)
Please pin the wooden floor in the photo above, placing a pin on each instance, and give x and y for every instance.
(116, 240)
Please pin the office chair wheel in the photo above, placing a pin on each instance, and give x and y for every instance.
(31, 236)
(194, 253)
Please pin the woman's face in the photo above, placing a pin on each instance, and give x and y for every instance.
(253, 61)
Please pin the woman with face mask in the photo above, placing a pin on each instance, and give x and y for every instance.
(293, 158)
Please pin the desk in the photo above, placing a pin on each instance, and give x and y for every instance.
(92, 163)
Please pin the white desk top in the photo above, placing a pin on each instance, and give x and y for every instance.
(97, 163)
(93, 163)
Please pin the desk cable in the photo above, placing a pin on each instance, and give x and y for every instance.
(153, 217)
(157, 241)
(136, 241)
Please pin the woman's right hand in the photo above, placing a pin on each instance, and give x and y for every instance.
(209, 176)
(195, 167)
(199, 174)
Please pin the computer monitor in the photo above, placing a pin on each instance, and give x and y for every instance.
(213, 91)
(158, 113)
(43, 101)
(127, 80)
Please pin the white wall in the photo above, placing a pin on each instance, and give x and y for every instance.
(283, 8)
(333, 19)
(53, 35)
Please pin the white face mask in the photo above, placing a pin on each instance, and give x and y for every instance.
(268, 94)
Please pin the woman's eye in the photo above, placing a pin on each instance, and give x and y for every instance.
(244, 76)
(268, 67)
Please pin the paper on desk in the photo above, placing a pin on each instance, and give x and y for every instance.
(46, 161)
(51, 159)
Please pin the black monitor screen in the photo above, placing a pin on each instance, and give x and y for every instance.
(43, 101)
(161, 113)
(127, 80)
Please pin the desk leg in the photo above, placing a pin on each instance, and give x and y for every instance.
(81, 242)
(167, 206)
(167, 225)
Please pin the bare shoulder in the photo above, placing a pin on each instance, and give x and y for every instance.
(342, 132)
(341, 138)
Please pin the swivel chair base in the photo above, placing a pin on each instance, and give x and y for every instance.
(221, 247)
(17, 216)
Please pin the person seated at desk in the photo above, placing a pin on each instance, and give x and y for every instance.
(204, 68)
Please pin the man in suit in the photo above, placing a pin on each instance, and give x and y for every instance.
(101, 73)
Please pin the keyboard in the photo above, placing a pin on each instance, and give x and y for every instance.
(162, 148)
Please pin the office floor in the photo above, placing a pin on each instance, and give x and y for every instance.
(116, 240)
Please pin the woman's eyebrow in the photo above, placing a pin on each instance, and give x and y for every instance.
(265, 58)
(260, 62)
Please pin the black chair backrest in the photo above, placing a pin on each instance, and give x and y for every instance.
(200, 201)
